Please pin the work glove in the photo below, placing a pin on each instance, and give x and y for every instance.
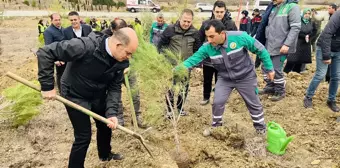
(257, 62)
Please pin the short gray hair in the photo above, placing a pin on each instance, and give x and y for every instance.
(121, 36)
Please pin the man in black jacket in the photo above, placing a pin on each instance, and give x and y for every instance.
(55, 33)
(181, 38)
(327, 53)
(116, 25)
(92, 79)
(221, 13)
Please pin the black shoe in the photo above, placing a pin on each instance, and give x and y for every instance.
(261, 132)
(140, 122)
(277, 96)
(332, 105)
(308, 102)
(266, 91)
(183, 113)
(113, 156)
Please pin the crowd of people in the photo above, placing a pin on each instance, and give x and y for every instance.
(90, 64)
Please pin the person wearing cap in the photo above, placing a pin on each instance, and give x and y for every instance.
(245, 23)
(255, 22)
(157, 29)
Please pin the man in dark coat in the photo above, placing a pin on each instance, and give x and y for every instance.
(55, 33)
(76, 29)
(181, 38)
(92, 79)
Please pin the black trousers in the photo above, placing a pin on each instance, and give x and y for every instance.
(208, 73)
(292, 67)
(181, 96)
(82, 130)
(60, 70)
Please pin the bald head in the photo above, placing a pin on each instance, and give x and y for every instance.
(118, 24)
(124, 43)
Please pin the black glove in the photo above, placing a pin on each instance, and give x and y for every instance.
(257, 62)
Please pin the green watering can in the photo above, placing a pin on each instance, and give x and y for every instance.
(277, 140)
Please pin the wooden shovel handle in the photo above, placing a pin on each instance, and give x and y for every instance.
(71, 104)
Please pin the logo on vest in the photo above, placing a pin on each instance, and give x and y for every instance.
(232, 45)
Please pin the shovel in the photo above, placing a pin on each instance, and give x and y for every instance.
(127, 84)
(80, 108)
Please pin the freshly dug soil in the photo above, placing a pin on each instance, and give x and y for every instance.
(46, 141)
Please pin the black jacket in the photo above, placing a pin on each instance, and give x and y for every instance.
(307, 29)
(329, 40)
(91, 73)
(69, 34)
(53, 34)
(107, 31)
(177, 40)
(227, 22)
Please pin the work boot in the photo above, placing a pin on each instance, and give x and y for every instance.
(266, 91)
(112, 156)
(307, 102)
(332, 105)
(140, 122)
(210, 130)
(204, 102)
(277, 96)
(120, 118)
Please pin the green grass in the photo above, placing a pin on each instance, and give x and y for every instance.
(24, 106)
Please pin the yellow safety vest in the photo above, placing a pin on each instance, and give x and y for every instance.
(42, 28)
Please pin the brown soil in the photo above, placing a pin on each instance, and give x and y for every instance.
(46, 141)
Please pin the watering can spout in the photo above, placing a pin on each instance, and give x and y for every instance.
(285, 143)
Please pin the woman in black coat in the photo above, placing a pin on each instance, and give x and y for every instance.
(303, 54)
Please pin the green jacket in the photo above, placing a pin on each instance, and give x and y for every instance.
(231, 59)
(156, 31)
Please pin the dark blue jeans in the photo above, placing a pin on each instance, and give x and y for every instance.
(321, 70)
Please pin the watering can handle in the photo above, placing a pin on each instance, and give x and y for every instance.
(274, 124)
